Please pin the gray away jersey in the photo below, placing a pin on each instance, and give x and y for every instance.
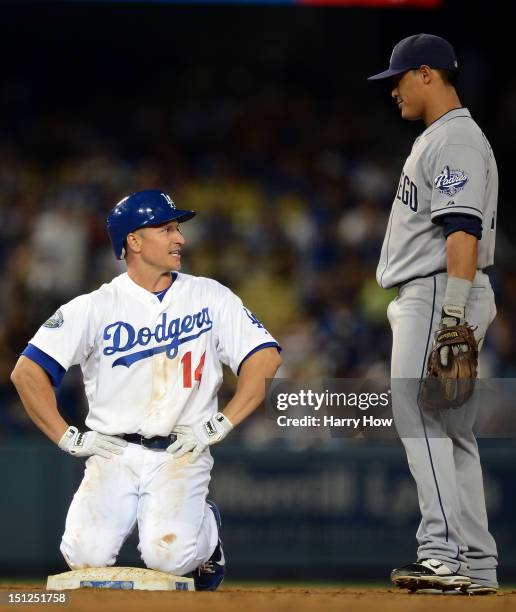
(451, 169)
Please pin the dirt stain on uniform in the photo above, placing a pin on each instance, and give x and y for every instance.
(164, 380)
(159, 377)
(169, 538)
(163, 544)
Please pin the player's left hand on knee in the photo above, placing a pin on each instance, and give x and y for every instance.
(197, 438)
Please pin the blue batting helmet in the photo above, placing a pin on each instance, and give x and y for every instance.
(143, 208)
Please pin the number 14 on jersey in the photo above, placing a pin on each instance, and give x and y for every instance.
(186, 361)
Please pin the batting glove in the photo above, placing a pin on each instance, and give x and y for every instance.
(450, 317)
(90, 443)
(200, 436)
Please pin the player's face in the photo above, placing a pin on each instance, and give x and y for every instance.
(408, 92)
(161, 246)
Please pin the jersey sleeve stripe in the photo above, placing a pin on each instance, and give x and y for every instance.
(451, 209)
(259, 348)
(52, 367)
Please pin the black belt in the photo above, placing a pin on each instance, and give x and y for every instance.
(154, 443)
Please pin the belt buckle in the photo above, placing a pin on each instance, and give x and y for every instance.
(155, 443)
(150, 443)
(147, 442)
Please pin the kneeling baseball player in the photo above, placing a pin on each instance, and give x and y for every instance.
(151, 344)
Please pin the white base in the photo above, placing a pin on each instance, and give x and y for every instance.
(121, 578)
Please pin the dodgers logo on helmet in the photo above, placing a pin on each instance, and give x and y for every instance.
(169, 200)
(450, 181)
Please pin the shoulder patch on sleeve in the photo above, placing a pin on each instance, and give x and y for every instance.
(56, 320)
(450, 181)
(254, 319)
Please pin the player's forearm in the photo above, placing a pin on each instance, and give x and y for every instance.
(250, 391)
(38, 398)
(462, 253)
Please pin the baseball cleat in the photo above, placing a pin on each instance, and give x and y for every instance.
(473, 589)
(428, 574)
(209, 575)
(478, 589)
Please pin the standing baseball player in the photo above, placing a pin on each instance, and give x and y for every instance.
(151, 344)
(440, 237)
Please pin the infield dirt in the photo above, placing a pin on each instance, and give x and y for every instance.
(254, 599)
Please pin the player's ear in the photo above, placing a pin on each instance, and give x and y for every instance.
(134, 242)
(426, 74)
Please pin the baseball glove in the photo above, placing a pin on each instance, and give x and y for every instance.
(450, 385)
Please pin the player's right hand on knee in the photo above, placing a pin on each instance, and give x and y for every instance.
(90, 443)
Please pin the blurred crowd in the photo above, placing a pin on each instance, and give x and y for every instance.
(292, 203)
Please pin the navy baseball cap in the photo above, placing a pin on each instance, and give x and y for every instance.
(418, 50)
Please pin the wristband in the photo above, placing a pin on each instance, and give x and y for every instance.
(456, 296)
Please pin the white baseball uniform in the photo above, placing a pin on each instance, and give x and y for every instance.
(150, 362)
(450, 170)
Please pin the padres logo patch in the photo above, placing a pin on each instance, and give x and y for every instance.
(450, 181)
(56, 320)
